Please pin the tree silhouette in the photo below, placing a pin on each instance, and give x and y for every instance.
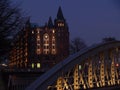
(108, 39)
(76, 45)
(10, 21)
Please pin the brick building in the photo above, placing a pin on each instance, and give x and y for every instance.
(42, 47)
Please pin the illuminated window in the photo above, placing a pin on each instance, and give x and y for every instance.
(46, 43)
(80, 67)
(60, 24)
(53, 31)
(26, 54)
(38, 36)
(38, 51)
(32, 32)
(38, 31)
(46, 36)
(38, 65)
(33, 65)
(26, 60)
(53, 52)
(117, 65)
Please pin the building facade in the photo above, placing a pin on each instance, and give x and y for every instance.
(42, 47)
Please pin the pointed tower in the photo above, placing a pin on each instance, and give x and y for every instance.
(60, 14)
(62, 34)
(60, 20)
(50, 23)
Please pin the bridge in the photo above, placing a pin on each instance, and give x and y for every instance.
(93, 67)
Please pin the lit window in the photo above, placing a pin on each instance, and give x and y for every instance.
(53, 51)
(26, 53)
(80, 67)
(26, 60)
(38, 30)
(62, 24)
(38, 65)
(53, 37)
(38, 37)
(53, 31)
(38, 51)
(32, 32)
(117, 65)
(46, 36)
(46, 44)
(33, 65)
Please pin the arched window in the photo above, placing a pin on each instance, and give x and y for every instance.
(46, 43)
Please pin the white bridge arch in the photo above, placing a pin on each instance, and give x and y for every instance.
(95, 66)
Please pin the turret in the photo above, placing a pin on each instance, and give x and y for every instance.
(60, 14)
(60, 20)
(50, 23)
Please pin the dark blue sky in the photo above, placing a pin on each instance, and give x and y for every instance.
(90, 20)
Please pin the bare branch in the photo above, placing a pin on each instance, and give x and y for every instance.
(10, 21)
(76, 45)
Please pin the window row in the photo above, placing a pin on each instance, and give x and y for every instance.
(38, 65)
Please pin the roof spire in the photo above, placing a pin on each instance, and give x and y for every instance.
(60, 14)
(28, 24)
(50, 23)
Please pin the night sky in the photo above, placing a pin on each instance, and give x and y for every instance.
(90, 20)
